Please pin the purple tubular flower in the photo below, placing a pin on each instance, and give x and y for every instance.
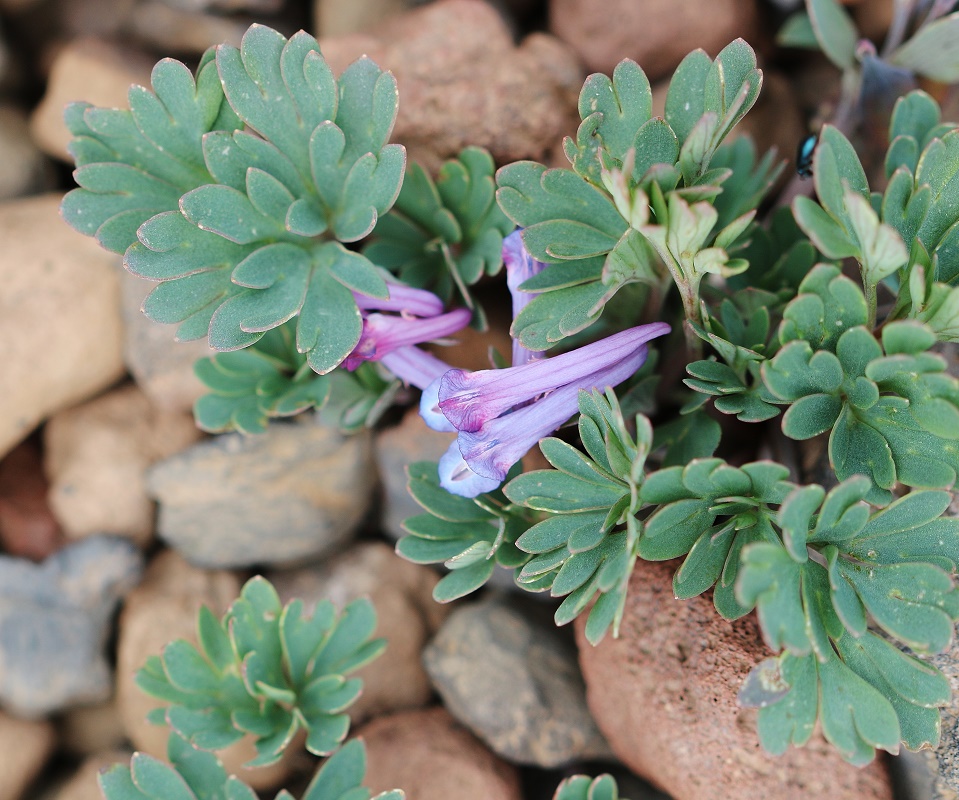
(403, 299)
(414, 366)
(503, 436)
(383, 334)
(520, 266)
(469, 400)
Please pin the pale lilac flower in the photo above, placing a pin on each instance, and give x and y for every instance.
(383, 334)
(501, 414)
(414, 366)
(403, 299)
(520, 267)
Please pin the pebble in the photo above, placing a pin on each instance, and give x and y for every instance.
(88, 730)
(657, 34)
(55, 620)
(28, 528)
(395, 449)
(407, 616)
(55, 276)
(96, 456)
(90, 70)
(462, 81)
(26, 745)
(538, 716)
(168, 29)
(336, 18)
(163, 608)
(24, 169)
(161, 366)
(430, 756)
(83, 784)
(664, 694)
(296, 492)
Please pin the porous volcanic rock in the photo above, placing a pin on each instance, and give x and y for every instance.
(657, 34)
(664, 694)
(462, 81)
(430, 756)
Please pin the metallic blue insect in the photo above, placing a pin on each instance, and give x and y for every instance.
(804, 154)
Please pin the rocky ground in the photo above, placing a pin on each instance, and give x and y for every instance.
(118, 518)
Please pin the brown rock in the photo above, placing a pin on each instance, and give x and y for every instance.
(178, 30)
(657, 34)
(161, 366)
(96, 457)
(59, 316)
(407, 616)
(430, 756)
(664, 694)
(88, 730)
(27, 526)
(83, 785)
(775, 120)
(25, 746)
(161, 609)
(89, 70)
(336, 18)
(463, 82)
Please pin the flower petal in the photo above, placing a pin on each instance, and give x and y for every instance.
(417, 368)
(457, 478)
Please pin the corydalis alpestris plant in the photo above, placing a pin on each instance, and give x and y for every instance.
(263, 670)
(249, 191)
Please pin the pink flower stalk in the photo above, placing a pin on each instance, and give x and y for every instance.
(520, 267)
(414, 366)
(501, 414)
(382, 334)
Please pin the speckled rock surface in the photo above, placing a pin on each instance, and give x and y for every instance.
(52, 275)
(96, 456)
(655, 33)
(295, 492)
(407, 616)
(54, 623)
(430, 756)
(510, 676)
(463, 81)
(664, 694)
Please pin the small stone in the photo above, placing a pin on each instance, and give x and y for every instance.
(513, 681)
(664, 694)
(25, 746)
(295, 492)
(28, 528)
(96, 457)
(407, 616)
(83, 785)
(915, 777)
(161, 366)
(88, 730)
(657, 34)
(24, 169)
(462, 81)
(55, 619)
(396, 448)
(162, 608)
(96, 18)
(53, 275)
(430, 756)
(169, 29)
(946, 776)
(228, 6)
(336, 18)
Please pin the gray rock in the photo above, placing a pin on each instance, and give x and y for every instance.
(514, 681)
(55, 620)
(914, 777)
(946, 764)
(296, 492)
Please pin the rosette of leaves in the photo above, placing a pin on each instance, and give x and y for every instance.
(582, 787)
(266, 670)
(833, 575)
(257, 238)
(890, 407)
(586, 548)
(194, 774)
(470, 536)
(249, 387)
(585, 223)
(709, 511)
(444, 235)
(914, 223)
